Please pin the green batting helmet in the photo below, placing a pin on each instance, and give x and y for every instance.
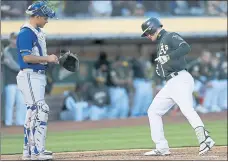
(150, 26)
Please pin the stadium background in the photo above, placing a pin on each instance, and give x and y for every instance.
(87, 34)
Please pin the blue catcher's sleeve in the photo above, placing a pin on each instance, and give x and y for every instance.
(25, 42)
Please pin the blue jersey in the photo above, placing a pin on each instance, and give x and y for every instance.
(30, 41)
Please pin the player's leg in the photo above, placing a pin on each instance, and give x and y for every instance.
(23, 87)
(33, 89)
(10, 95)
(148, 97)
(81, 111)
(96, 113)
(114, 93)
(37, 83)
(223, 94)
(182, 88)
(138, 98)
(124, 107)
(159, 106)
(212, 96)
(20, 108)
(70, 113)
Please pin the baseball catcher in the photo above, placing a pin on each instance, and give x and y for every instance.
(69, 61)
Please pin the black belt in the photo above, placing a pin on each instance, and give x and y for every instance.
(170, 76)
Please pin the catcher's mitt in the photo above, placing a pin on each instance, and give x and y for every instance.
(69, 61)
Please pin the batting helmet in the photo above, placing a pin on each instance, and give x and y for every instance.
(150, 26)
(40, 8)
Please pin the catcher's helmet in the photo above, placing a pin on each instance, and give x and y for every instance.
(150, 26)
(40, 8)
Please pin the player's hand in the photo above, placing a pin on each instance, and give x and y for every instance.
(162, 59)
(53, 58)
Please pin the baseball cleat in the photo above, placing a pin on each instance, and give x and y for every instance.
(41, 156)
(26, 157)
(206, 146)
(46, 152)
(158, 152)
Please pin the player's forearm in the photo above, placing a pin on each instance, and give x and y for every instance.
(35, 59)
(181, 51)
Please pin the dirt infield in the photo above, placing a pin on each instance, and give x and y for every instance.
(185, 153)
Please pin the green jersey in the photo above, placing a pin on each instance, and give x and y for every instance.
(172, 44)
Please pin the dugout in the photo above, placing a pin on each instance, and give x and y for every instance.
(118, 36)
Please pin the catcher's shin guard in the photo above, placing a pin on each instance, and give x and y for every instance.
(26, 147)
(38, 127)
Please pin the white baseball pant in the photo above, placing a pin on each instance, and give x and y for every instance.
(177, 90)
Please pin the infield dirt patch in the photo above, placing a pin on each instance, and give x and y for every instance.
(185, 153)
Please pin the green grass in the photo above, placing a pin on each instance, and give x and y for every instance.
(178, 135)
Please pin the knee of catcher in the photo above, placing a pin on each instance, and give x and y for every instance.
(42, 112)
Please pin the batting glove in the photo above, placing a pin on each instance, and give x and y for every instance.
(162, 59)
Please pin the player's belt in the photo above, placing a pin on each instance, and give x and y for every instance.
(34, 70)
(170, 76)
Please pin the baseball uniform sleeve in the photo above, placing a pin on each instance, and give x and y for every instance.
(25, 42)
(180, 46)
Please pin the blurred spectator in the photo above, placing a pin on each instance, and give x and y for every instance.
(1, 72)
(204, 65)
(13, 9)
(100, 8)
(201, 70)
(121, 79)
(210, 81)
(117, 8)
(197, 88)
(76, 9)
(196, 7)
(59, 7)
(142, 85)
(222, 98)
(124, 8)
(139, 10)
(98, 98)
(49, 78)
(212, 88)
(217, 8)
(75, 107)
(102, 65)
(151, 8)
(12, 94)
(180, 7)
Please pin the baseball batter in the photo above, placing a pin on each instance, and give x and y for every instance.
(171, 51)
(31, 79)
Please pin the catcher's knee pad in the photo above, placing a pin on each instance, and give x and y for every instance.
(39, 127)
(42, 112)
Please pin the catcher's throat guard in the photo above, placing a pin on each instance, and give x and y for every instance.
(69, 61)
